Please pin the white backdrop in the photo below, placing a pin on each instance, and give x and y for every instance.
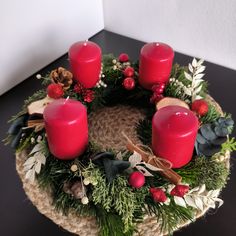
(202, 28)
(34, 33)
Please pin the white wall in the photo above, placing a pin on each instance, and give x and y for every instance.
(201, 28)
(34, 33)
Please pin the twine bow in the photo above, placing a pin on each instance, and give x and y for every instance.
(162, 165)
(152, 158)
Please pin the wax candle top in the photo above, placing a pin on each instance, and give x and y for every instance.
(157, 51)
(177, 120)
(64, 110)
(86, 50)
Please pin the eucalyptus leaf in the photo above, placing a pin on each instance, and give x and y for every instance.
(229, 122)
(219, 141)
(196, 148)
(221, 132)
(201, 139)
(207, 132)
(208, 149)
(221, 120)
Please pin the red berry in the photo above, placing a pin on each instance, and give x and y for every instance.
(123, 57)
(200, 107)
(78, 88)
(156, 98)
(156, 88)
(136, 179)
(55, 91)
(129, 83)
(128, 72)
(179, 190)
(88, 95)
(159, 91)
(163, 85)
(158, 194)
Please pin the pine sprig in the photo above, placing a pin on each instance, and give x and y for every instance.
(229, 145)
(36, 96)
(117, 196)
(116, 205)
(111, 224)
(202, 170)
(144, 130)
(211, 115)
(169, 216)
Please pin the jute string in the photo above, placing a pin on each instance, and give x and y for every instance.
(105, 129)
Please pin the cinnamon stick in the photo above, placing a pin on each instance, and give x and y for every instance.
(32, 123)
(169, 174)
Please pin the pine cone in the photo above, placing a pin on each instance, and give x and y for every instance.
(75, 189)
(62, 76)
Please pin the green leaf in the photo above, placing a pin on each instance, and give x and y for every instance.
(114, 167)
(207, 132)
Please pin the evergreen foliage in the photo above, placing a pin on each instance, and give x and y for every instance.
(116, 205)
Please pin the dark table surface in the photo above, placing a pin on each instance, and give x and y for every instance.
(18, 217)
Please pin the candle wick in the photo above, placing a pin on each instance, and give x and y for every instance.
(85, 43)
(66, 100)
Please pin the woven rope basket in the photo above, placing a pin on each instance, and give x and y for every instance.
(105, 126)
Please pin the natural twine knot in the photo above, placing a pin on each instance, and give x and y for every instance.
(153, 158)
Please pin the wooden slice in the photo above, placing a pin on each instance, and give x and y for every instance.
(168, 101)
(37, 107)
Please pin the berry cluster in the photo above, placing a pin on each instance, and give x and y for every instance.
(158, 194)
(87, 94)
(158, 90)
(128, 72)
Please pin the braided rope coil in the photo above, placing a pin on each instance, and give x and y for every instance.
(105, 126)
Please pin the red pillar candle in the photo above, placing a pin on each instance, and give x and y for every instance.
(67, 128)
(174, 130)
(155, 64)
(85, 62)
